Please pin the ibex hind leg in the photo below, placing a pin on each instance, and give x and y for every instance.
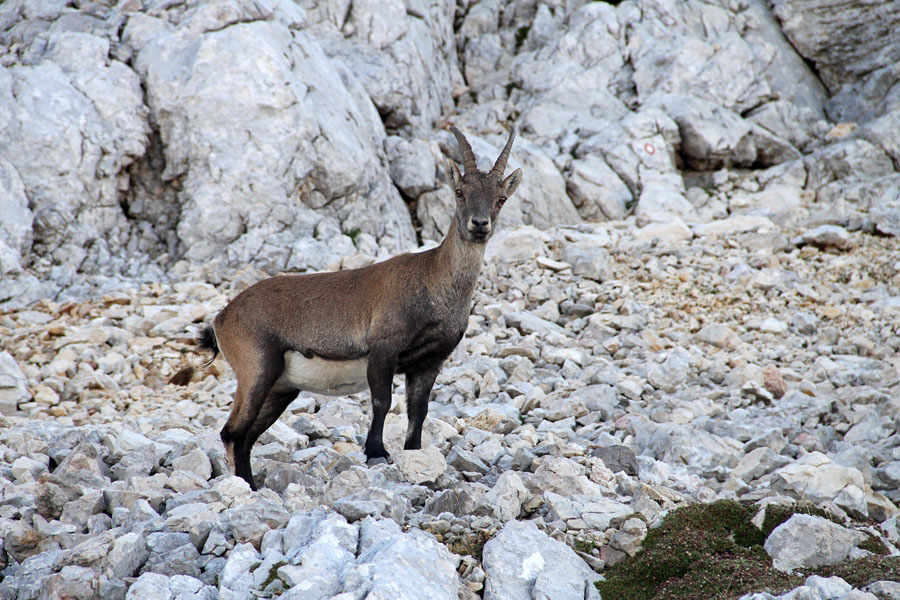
(253, 389)
(275, 404)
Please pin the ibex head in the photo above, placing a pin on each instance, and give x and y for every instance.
(480, 196)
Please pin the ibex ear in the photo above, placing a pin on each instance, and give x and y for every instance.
(512, 182)
(453, 176)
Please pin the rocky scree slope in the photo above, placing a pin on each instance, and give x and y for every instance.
(590, 396)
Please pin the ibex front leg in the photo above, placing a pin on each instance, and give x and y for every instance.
(380, 373)
(418, 392)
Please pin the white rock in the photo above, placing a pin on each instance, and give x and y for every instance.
(421, 466)
(521, 562)
(588, 260)
(827, 236)
(239, 185)
(517, 244)
(660, 202)
(396, 565)
(816, 477)
(12, 385)
(236, 578)
(15, 228)
(806, 541)
(597, 191)
(150, 586)
(670, 232)
(773, 325)
(734, 225)
(711, 135)
(196, 461)
(507, 496)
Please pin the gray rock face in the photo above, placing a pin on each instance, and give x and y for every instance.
(805, 541)
(711, 136)
(405, 62)
(341, 108)
(16, 227)
(523, 562)
(858, 67)
(597, 191)
(264, 200)
(75, 122)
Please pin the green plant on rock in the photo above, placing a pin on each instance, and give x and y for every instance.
(352, 234)
(273, 575)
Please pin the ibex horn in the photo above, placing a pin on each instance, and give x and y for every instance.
(500, 165)
(467, 155)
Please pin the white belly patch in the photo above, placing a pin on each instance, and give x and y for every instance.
(321, 376)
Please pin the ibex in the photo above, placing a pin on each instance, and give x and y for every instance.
(336, 333)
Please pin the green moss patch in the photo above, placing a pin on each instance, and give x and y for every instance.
(713, 552)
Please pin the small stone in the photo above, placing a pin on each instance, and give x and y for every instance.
(773, 325)
(720, 336)
(773, 381)
(150, 586)
(826, 236)
(630, 537)
(617, 458)
(421, 466)
(128, 554)
(588, 260)
(528, 323)
(670, 232)
(507, 496)
(465, 461)
(804, 322)
(196, 461)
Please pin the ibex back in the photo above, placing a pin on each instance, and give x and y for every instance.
(338, 333)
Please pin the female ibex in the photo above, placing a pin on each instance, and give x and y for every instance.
(336, 333)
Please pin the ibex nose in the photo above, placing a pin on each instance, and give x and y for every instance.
(479, 223)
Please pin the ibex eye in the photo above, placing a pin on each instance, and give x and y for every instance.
(501, 200)
(459, 193)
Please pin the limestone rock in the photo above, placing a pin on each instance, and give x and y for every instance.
(421, 466)
(816, 477)
(401, 565)
(507, 496)
(12, 385)
(596, 190)
(846, 64)
(523, 562)
(807, 541)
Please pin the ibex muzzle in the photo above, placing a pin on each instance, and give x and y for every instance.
(338, 333)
